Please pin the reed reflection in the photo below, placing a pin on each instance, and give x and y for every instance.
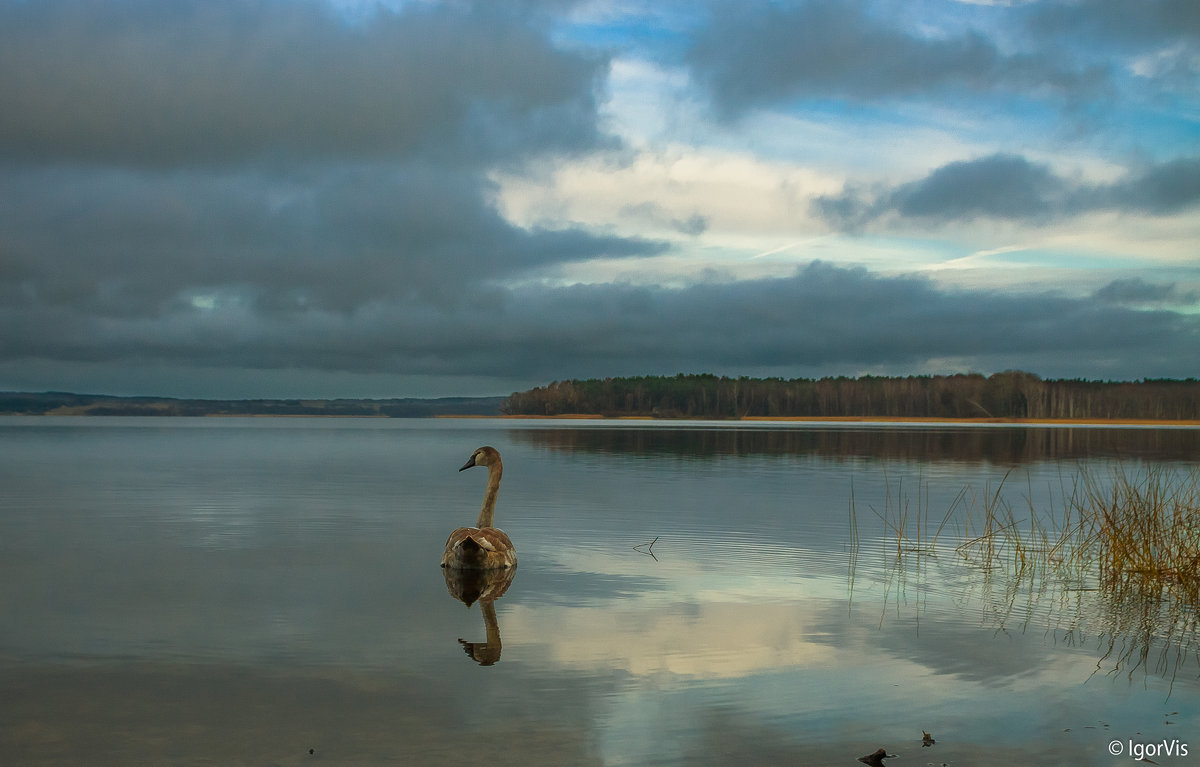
(485, 587)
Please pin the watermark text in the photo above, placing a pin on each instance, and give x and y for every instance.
(1135, 750)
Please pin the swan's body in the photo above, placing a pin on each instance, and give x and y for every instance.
(479, 548)
(482, 547)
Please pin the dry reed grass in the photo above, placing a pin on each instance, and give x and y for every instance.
(1116, 557)
(1145, 526)
(1126, 528)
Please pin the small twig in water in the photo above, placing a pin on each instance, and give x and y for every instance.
(647, 548)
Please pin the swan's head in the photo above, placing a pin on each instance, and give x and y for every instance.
(484, 456)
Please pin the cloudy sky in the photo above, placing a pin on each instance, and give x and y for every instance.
(278, 198)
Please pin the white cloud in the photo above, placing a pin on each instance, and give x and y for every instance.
(746, 202)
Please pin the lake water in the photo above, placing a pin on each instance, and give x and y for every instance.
(267, 592)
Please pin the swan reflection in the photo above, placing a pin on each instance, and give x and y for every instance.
(485, 587)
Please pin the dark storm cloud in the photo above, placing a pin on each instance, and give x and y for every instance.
(148, 83)
(770, 53)
(1154, 21)
(1001, 186)
(261, 181)
(115, 243)
(1136, 291)
(830, 316)
(1005, 186)
(820, 317)
(1161, 38)
(1159, 190)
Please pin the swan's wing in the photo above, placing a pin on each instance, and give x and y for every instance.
(486, 538)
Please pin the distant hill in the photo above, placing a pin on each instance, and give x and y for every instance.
(64, 403)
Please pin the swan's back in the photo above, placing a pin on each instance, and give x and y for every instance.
(479, 548)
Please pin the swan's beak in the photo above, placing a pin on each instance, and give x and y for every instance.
(470, 462)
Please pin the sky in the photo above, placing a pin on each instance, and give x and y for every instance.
(380, 198)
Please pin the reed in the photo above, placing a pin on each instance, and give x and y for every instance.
(1119, 526)
(1114, 559)
(1145, 526)
(908, 522)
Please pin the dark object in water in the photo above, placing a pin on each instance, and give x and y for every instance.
(875, 759)
(926, 739)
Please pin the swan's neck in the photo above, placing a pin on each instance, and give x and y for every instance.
(487, 514)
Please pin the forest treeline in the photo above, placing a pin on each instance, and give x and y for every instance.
(1011, 394)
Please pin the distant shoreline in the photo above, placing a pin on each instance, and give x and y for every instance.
(71, 404)
(595, 417)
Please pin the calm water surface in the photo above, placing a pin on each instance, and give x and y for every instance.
(267, 592)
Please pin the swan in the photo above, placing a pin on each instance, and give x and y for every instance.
(482, 547)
